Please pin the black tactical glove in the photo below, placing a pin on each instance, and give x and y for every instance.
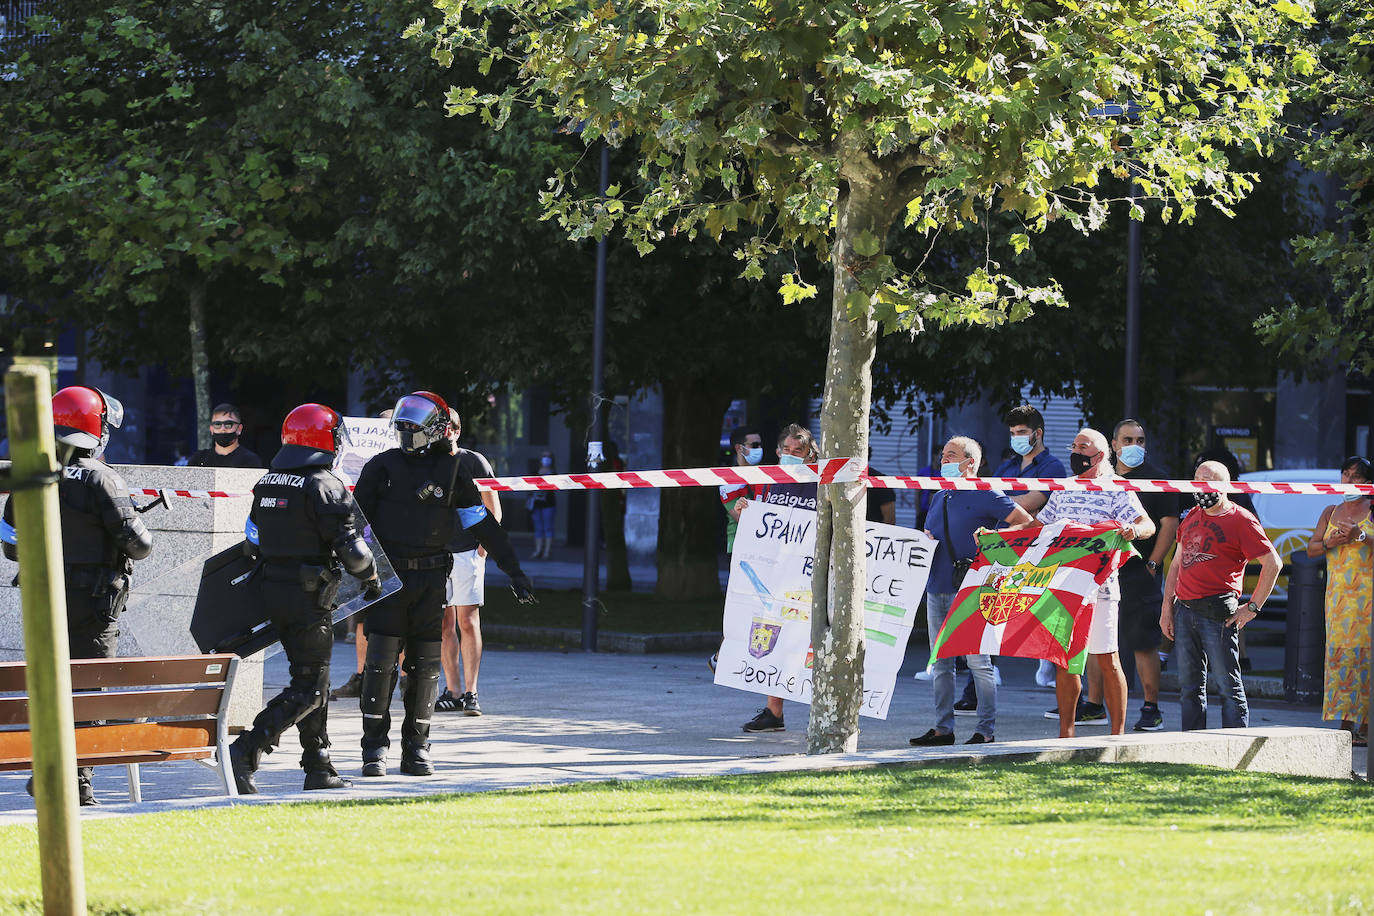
(523, 589)
(372, 588)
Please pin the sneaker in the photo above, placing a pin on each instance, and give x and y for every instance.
(1150, 719)
(470, 705)
(711, 662)
(1091, 714)
(966, 707)
(765, 721)
(353, 687)
(932, 738)
(447, 702)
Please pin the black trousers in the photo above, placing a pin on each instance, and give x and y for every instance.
(308, 638)
(415, 613)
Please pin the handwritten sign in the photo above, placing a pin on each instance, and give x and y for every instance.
(767, 646)
(368, 436)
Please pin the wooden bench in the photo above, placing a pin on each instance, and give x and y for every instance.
(149, 710)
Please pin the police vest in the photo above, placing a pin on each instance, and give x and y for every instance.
(414, 515)
(92, 499)
(285, 505)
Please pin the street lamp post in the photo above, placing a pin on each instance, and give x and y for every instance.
(1130, 111)
(591, 562)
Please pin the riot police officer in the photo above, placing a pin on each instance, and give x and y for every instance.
(303, 522)
(414, 496)
(102, 535)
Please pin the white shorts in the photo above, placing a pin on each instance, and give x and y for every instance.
(1102, 632)
(467, 583)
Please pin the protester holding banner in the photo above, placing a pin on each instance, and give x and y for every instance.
(795, 446)
(1088, 459)
(1202, 612)
(954, 517)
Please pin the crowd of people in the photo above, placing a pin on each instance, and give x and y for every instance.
(1192, 610)
(437, 530)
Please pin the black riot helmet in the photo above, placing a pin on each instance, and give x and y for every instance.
(420, 420)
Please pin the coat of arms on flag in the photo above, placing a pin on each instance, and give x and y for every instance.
(1030, 593)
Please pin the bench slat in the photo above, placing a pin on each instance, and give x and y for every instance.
(125, 758)
(127, 704)
(94, 673)
(121, 739)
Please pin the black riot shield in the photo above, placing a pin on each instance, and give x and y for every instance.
(231, 615)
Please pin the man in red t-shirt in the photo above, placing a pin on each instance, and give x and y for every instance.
(1202, 612)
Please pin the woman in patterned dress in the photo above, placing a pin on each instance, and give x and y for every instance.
(1345, 534)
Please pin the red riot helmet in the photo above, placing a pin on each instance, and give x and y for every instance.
(310, 437)
(420, 419)
(82, 417)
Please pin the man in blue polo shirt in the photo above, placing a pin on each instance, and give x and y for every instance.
(1026, 428)
(954, 517)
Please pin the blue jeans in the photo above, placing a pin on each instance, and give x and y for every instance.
(942, 676)
(543, 521)
(1203, 643)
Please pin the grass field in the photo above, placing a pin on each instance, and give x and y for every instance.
(1028, 839)
(626, 612)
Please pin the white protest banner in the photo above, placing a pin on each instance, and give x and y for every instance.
(767, 646)
(368, 436)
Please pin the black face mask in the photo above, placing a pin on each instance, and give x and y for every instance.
(1078, 463)
(225, 438)
(1208, 500)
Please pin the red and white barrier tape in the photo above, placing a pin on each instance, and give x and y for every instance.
(829, 470)
(1114, 484)
(844, 470)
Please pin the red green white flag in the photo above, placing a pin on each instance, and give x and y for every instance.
(1030, 593)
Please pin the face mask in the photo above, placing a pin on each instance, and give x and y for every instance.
(1021, 445)
(1208, 500)
(791, 459)
(1133, 456)
(951, 469)
(754, 455)
(1079, 462)
(224, 438)
(1351, 497)
(546, 462)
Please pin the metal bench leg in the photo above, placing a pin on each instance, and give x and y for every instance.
(135, 790)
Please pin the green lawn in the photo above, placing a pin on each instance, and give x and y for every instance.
(1030, 838)
(626, 612)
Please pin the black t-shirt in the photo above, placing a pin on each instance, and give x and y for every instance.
(240, 457)
(470, 465)
(878, 497)
(1158, 506)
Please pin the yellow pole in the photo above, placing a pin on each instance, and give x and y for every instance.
(49, 678)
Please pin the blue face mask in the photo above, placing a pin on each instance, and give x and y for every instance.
(754, 455)
(951, 469)
(1133, 456)
(790, 459)
(1021, 445)
(1351, 497)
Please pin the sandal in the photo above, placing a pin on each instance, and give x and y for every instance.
(447, 702)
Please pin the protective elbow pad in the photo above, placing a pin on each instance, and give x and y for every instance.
(134, 539)
(355, 555)
(492, 536)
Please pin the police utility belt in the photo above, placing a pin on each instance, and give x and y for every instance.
(99, 578)
(433, 561)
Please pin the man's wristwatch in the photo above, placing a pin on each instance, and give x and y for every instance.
(1152, 566)
(1253, 608)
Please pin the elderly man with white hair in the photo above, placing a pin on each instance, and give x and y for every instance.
(1202, 612)
(1088, 459)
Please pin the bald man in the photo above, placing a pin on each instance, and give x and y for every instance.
(1202, 611)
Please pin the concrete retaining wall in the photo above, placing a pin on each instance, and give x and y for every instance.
(157, 619)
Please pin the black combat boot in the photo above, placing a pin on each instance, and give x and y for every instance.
(422, 664)
(244, 756)
(379, 681)
(320, 772)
